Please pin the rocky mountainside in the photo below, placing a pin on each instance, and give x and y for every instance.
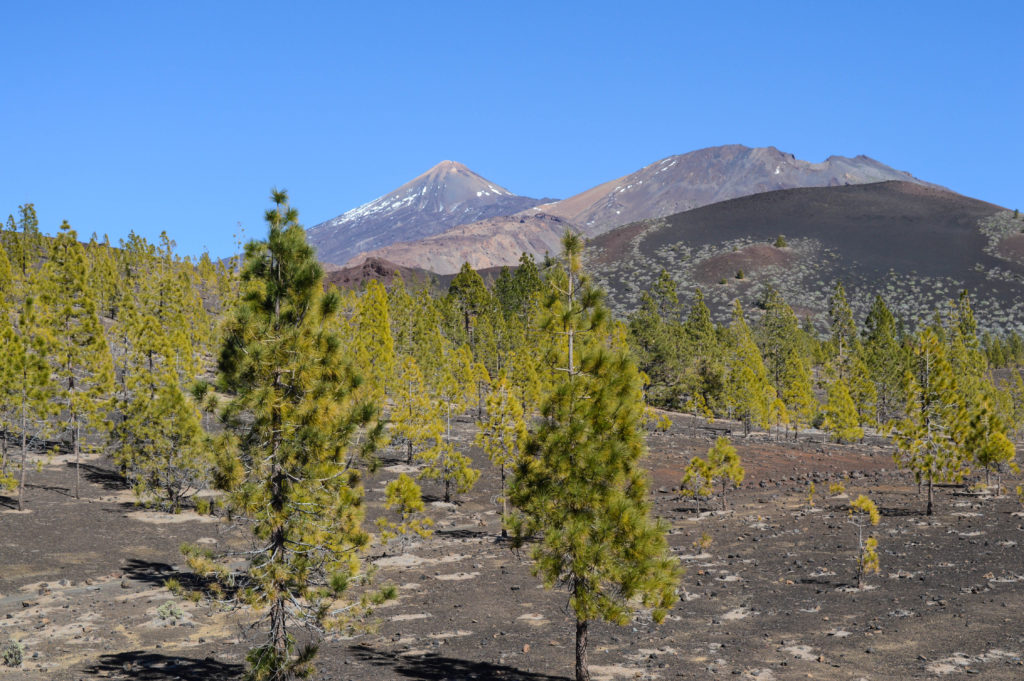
(917, 246)
(447, 195)
(670, 186)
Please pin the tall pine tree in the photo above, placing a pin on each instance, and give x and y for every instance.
(581, 492)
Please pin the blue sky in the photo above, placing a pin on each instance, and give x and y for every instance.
(180, 116)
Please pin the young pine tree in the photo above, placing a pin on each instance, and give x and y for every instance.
(841, 419)
(29, 388)
(503, 434)
(82, 363)
(926, 438)
(287, 458)
(580, 492)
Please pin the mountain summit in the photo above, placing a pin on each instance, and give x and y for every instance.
(447, 195)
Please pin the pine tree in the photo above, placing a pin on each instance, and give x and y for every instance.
(452, 392)
(580, 492)
(749, 392)
(797, 393)
(27, 382)
(698, 481)
(470, 297)
(503, 434)
(725, 465)
(926, 437)
(160, 444)
(863, 513)
(81, 358)
(885, 361)
(416, 418)
(287, 459)
(986, 442)
(375, 347)
(841, 414)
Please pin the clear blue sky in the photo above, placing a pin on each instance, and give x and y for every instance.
(180, 116)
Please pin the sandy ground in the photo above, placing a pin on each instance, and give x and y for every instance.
(772, 596)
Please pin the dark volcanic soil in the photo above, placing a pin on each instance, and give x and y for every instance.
(771, 597)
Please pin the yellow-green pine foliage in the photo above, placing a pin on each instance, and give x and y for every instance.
(104, 277)
(453, 391)
(159, 441)
(885, 360)
(986, 440)
(798, 392)
(749, 393)
(698, 481)
(926, 437)
(523, 378)
(286, 459)
(29, 389)
(7, 297)
(704, 364)
(841, 419)
(402, 311)
(415, 417)
(375, 348)
(451, 467)
(864, 513)
(81, 359)
(503, 433)
(24, 242)
(725, 465)
(402, 497)
(580, 492)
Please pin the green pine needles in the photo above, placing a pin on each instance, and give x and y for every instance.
(295, 435)
(580, 491)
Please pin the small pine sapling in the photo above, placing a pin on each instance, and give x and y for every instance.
(725, 462)
(402, 496)
(698, 481)
(836, 488)
(863, 513)
(780, 241)
(811, 489)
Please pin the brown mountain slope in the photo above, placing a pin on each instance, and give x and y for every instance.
(917, 245)
(669, 186)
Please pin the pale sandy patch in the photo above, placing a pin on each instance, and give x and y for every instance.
(412, 560)
(738, 614)
(457, 576)
(800, 652)
(533, 619)
(610, 672)
(160, 518)
(401, 468)
(410, 616)
(451, 634)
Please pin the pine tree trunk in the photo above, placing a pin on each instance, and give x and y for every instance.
(504, 504)
(929, 511)
(77, 450)
(582, 668)
(724, 507)
(24, 456)
(408, 458)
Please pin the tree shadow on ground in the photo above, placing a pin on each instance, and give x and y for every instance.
(104, 477)
(148, 666)
(900, 512)
(463, 534)
(432, 667)
(8, 502)
(149, 572)
(157, 574)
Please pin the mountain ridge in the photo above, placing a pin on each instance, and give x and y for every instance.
(666, 187)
